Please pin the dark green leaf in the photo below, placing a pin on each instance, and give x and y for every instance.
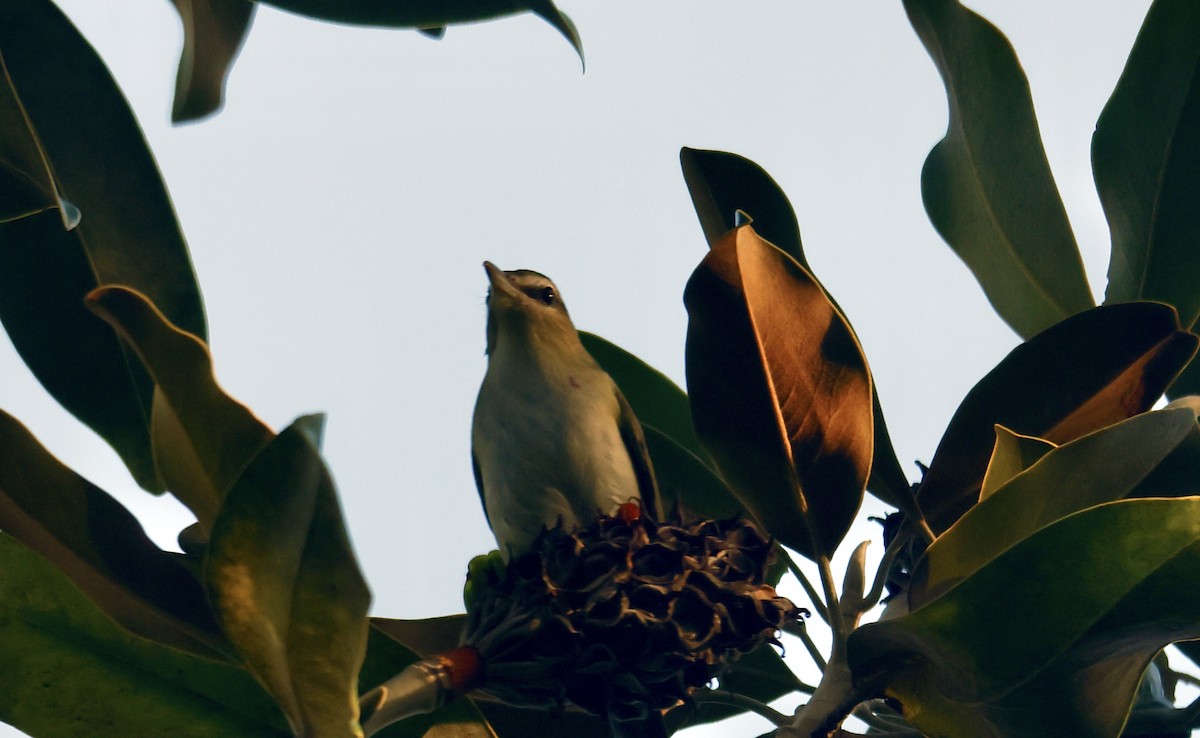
(655, 399)
(1100, 467)
(721, 184)
(1051, 637)
(128, 234)
(1091, 370)
(760, 674)
(202, 439)
(780, 392)
(423, 14)
(27, 183)
(213, 33)
(282, 577)
(1146, 157)
(96, 542)
(684, 478)
(69, 671)
(424, 637)
(987, 185)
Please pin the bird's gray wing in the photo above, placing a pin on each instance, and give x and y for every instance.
(635, 445)
(479, 486)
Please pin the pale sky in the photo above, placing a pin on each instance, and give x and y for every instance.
(338, 211)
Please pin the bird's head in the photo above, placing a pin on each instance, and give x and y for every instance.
(525, 306)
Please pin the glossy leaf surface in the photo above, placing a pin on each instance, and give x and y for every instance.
(1091, 370)
(987, 185)
(202, 439)
(1090, 601)
(70, 671)
(1146, 159)
(656, 400)
(780, 392)
(128, 234)
(1100, 467)
(27, 183)
(101, 547)
(721, 184)
(213, 33)
(286, 587)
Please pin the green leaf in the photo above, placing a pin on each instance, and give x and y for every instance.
(1013, 454)
(1146, 159)
(70, 671)
(684, 478)
(27, 183)
(128, 233)
(1100, 467)
(721, 184)
(780, 392)
(761, 675)
(1091, 370)
(282, 577)
(202, 439)
(96, 542)
(1051, 637)
(425, 14)
(987, 185)
(213, 33)
(655, 399)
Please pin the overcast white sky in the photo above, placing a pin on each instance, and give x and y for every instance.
(339, 208)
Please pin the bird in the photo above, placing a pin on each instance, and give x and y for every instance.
(553, 440)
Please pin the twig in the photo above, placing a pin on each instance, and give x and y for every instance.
(811, 591)
(801, 632)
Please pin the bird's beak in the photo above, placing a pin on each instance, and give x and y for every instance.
(501, 286)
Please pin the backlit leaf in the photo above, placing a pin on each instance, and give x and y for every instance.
(287, 590)
(1051, 637)
(128, 233)
(202, 438)
(96, 542)
(1146, 158)
(213, 33)
(987, 185)
(721, 184)
(1100, 467)
(1091, 370)
(780, 392)
(1013, 454)
(69, 671)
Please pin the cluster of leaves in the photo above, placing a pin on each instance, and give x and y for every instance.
(1041, 563)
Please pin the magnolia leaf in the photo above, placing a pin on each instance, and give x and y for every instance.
(1013, 454)
(780, 392)
(655, 399)
(1146, 159)
(1100, 467)
(685, 479)
(1091, 370)
(987, 185)
(27, 183)
(128, 233)
(202, 438)
(1091, 599)
(722, 184)
(425, 14)
(101, 547)
(213, 33)
(282, 577)
(69, 670)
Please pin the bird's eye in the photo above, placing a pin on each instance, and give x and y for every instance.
(546, 295)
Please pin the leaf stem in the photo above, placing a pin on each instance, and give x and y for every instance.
(881, 574)
(722, 697)
(831, 602)
(801, 632)
(809, 589)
